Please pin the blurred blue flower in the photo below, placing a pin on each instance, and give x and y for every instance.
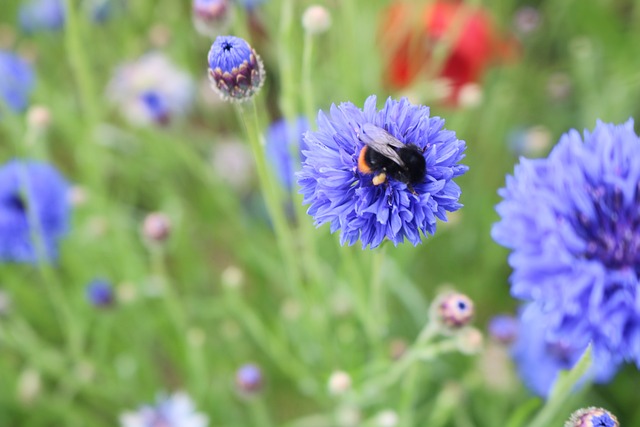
(249, 378)
(284, 140)
(36, 191)
(177, 410)
(348, 199)
(151, 90)
(503, 328)
(16, 81)
(236, 71)
(42, 15)
(573, 223)
(100, 293)
(540, 357)
(50, 15)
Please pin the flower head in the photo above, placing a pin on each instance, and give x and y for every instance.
(592, 417)
(236, 71)
(156, 227)
(51, 15)
(411, 32)
(284, 140)
(572, 221)
(249, 379)
(151, 90)
(372, 207)
(36, 15)
(100, 293)
(454, 310)
(176, 410)
(33, 208)
(540, 356)
(212, 17)
(503, 328)
(16, 81)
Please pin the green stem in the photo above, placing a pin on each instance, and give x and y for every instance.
(272, 194)
(287, 75)
(561, 392)
(80, 64)
(307, 86)
(259, 412)
(378, 292)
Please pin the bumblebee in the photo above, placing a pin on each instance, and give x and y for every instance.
(384, 157)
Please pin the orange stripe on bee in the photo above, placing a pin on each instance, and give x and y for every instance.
(362, 164)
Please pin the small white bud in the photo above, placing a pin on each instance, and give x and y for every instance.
(316, 20)
(339, 383)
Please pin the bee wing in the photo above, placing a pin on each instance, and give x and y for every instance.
(381, 141)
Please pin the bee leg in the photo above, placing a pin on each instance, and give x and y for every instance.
(410, 188)
(380, 178)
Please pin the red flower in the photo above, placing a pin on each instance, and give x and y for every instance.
(443, 39)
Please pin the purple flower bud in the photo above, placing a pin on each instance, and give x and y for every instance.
(212, 17)
(592, 417)
(100, 293)
(236, 71)
(249, 379)
(503, 328)
(455, 310)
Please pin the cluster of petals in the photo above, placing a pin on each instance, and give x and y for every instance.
(340, 194)
(572, 221)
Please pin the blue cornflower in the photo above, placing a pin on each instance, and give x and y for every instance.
(33, 202)
(236, 71)
(100, 293)
(350, 200)
(573, 223)
(151, 90)
(284, 140)
(51, 15)
(177, 410)
(16, 81)
(540, 356)
(38, 15)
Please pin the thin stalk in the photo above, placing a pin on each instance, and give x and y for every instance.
(73, 39)
(273, 197)
(287, 68)
(307, 86)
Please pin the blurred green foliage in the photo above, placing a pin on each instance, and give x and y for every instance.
(95, 364)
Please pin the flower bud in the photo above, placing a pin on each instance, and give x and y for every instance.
(100, 293)
(236, 71)
(212, 17)
(316, 20)
(339, 383)
(503, 328)
(38, 117)
(592, 417)
(454, 310)
(156, 227)
(249, 379)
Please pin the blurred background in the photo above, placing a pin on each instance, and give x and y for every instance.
(115, 95)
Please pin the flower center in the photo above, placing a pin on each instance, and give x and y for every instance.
(16, 202)
(226, 46)
(614, 236)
